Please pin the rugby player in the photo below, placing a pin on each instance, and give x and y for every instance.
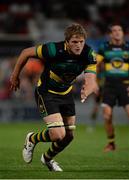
(115, 56)
(63, 62)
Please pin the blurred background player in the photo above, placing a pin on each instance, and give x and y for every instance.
(63, 62)
(115, 56)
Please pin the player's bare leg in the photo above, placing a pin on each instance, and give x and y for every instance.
(58, 146)
(107, 112)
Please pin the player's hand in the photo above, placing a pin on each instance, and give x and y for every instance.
(15, 83)
(83, 94)
(87, 90)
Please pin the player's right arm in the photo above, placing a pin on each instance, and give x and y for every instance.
(22, 60)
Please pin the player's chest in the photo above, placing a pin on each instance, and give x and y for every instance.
(67, 64)
(116, 54)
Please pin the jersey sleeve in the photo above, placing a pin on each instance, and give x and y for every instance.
(38, 51)
(100, 54)
(45, 51)
(91, 67)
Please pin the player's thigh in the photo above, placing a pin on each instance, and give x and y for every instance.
(67, 110)
(107, 112)
(68, 114)
(107, 109)
(46, 104)
(123, 98)
(109, 96)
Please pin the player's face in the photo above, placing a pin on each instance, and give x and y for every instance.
(117, 33)
(76, 44)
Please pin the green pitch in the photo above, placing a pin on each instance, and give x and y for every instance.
(83, 159)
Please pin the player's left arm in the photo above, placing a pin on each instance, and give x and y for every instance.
(90, 84)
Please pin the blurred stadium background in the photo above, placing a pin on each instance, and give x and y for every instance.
(25, 23)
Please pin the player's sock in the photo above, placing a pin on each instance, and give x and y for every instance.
(55, 148)
(111, 144)
(111, 139)
(53, 151)
(42, 136)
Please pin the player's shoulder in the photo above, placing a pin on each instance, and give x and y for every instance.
(127, 44)
(59, 44)
(105, 44)
(87, 50)
(89, 53)
(87, 47)
(54, 47)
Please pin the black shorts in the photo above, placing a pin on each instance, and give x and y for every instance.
(115, 94)
(49, 103)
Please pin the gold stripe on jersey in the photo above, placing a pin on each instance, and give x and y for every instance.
(126, 81)
(91, 68)
(61, 93)
(55, 77)
(39, 51)
(124, 67)
(99, 58)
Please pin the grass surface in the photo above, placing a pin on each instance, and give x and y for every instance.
(83, 159)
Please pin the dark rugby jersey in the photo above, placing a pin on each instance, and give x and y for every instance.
(62, 68)
(116, 61)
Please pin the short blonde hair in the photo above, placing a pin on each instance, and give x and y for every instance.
(75, 29)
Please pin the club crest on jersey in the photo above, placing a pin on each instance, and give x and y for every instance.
(117, 63)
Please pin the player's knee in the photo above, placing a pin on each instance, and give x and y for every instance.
(70, 131)
(107, 113)
(108, 117)
(56, 131)
(57, 134)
